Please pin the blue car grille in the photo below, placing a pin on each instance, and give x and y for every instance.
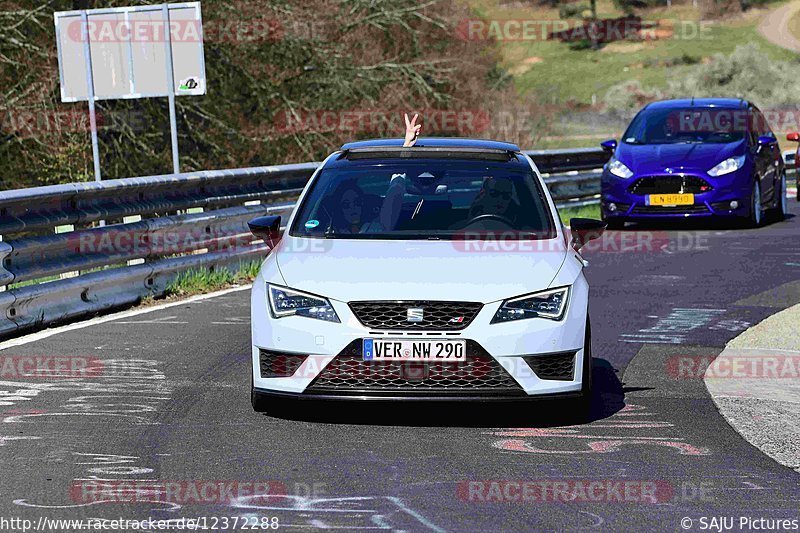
(669, 185)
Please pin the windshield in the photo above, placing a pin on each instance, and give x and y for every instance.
(425, 199)
(690, 125)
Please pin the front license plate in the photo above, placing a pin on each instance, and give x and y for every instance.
(414, 350)
(670, 199)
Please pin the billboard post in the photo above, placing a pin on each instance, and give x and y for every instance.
(87, 54)
(173, 120)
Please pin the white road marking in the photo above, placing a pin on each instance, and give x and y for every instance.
(33, 337)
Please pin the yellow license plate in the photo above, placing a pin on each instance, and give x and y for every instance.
(670, 199)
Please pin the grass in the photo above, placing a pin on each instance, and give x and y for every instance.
(561, 73)
(556, 74)
(588, 211)
(199, 281)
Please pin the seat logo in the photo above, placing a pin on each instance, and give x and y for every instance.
(415, 314)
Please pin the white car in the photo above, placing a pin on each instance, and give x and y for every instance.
(438, 272)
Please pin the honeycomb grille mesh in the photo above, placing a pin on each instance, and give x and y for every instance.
(670, 185)
(559, 366)
(393, 315)
(278, 364)
(348, 372)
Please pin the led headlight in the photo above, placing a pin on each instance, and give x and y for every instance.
(618, 168)
(289, 302)
(726, 167)
(546, 304)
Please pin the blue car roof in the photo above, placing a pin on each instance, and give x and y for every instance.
(726, 103)
(440, 142)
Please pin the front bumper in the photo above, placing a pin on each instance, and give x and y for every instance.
(479, 398)
(319, 343)
(714, 203)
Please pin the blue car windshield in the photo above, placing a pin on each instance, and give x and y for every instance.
(425, 199)
(689, 125)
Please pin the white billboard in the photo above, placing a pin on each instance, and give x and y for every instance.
(129, 50)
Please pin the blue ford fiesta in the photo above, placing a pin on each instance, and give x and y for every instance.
(710, 157)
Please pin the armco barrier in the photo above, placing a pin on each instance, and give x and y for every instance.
(58, 262)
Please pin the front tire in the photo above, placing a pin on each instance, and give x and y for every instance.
(755, 218)
(778, 212)
(583, 405)
(259, 403)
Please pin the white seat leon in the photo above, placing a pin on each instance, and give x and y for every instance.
(438, 272)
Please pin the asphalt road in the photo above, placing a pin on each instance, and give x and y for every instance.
(165, 411)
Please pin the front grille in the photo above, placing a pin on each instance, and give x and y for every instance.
(663, 210)
(669, 185)
(279, 364)
(560, 366)
(393, 315)
(479, 374)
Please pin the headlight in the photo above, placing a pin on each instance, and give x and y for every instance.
(288, 302)
(619, 169)
(727, 166)
(546, 304)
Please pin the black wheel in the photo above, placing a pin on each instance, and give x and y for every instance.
(755, 217)
(583, 405)
(779, 209)
(258, 401)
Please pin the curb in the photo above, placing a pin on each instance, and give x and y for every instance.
(755, 384)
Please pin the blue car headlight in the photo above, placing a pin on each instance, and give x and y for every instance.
(546, 304)
(618, 168)
(285, 302)
(726, 167)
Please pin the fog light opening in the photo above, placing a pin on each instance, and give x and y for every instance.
(734, 204)
(612, 207)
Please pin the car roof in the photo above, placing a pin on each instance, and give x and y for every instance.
(436, 142)
(726, 103)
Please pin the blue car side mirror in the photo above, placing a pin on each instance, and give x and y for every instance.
(766, 139)
(609, 145)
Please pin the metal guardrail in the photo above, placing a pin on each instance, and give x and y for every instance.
(153, 228)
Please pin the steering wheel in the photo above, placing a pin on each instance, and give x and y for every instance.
(490, 216)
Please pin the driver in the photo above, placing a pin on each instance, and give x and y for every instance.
(495, 198)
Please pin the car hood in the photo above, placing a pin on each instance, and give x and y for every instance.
(657, 158)
(362, 269)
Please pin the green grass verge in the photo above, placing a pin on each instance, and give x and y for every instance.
(588, 211)
(200, 281)
(557, 73)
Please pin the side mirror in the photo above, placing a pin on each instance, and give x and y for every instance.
(793, 136)
(609, 145)
(764, 140)
(267, 228)
(584, 230)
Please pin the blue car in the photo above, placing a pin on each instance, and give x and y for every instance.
(710, 157)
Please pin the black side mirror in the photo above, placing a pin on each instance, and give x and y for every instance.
(585, 230)
(267, 228)
(609, 145)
